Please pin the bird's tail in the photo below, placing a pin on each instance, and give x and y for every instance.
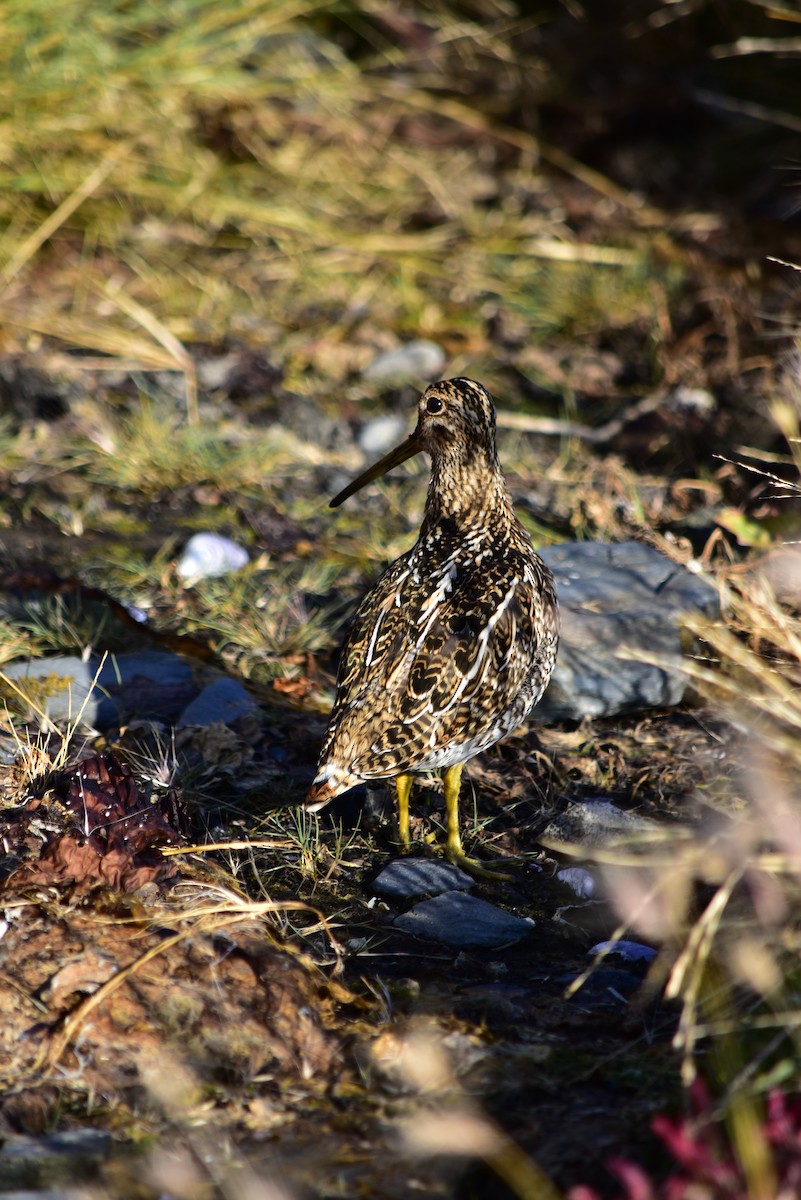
(328, 784)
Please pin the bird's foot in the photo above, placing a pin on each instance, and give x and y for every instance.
(401, 839)
(455, 854)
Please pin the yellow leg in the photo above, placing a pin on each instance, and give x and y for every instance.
(452, 778)
(404, 785)
(454, 851)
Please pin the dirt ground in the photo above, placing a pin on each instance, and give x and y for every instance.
(271, 1035)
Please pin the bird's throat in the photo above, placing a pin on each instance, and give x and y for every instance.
(465, 493)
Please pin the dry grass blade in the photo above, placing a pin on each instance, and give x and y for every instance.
(181, 359)
(26, 250)
(688, 975)
(247, 844)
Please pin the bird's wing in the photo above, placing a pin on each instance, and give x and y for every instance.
(425, 667)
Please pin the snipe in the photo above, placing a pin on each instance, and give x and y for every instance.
(456, 641)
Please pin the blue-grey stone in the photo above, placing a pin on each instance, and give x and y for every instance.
(579, 880)
(152, 684)
(604, 988)
(223, 700)
(618, 599)
(462, 921)
(58, 1193)
(627, 951)
(52, 1160)
(405, 877)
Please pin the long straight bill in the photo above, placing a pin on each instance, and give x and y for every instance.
(395, 457)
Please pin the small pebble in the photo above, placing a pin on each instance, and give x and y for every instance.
(216, 373)
(208, 555)
(578, 880)
(691, 400)
(138, 614)
(417, 360)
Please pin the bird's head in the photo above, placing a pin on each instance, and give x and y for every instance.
(455, 424)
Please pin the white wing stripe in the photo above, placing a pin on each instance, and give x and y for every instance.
(482, 641)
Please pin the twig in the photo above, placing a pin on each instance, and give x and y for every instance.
(749, 108)
(599, 436)
(783, 263)
(758, 45)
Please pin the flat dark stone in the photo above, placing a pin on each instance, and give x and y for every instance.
(406, 877)
(464, 922)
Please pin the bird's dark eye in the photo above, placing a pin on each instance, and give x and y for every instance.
(433, 404)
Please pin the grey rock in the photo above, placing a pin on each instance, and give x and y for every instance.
(138, 614)
(781, 569)
(61, 688)
(405, 877)
(462, 921)
(594, 822)
(214, 374)
(209, 555)
(414, 362)
(9, 749)
(158, 665)
(617, 600)
(223, 700)
(153, 684)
